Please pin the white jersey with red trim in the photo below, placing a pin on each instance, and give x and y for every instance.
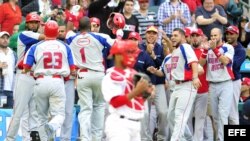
(25, 40)
(51, 57)
(118, 83)
(181, 59)
(87, 49)
(216, 71)
(166, 66)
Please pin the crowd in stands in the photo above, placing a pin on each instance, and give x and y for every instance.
(153, 31)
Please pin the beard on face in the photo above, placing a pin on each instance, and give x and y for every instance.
(196, 44)
(2, 46)
(61, 38)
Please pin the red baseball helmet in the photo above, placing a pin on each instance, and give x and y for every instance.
(51, 29)
(32, 17)
(115, 21)
(128, 49)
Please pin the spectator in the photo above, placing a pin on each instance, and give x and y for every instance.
(95, 24)
(234, 10)
(245, 89)
(210, 16)
(15, 28)
(145, 17)
(245, 115)
(74, 12)
(173, 14)
(101, 9)
(7, 68)
(244, 37)
(131, 22)
(14, 37)
(192, 5)
(10, 15)
(155, 51)
(42, 7)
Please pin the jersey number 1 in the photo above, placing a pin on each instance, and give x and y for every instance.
(48, 60)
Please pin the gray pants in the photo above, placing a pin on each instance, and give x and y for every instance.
(49, 95)
(92, 106)
(221, 95)
(161, 105)
(69, 105)
(24, 108)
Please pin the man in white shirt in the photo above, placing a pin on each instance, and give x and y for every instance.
(7, 68)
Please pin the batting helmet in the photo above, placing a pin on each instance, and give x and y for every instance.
(51, 29)
(32, 17)
(115, 21)
(128, 49)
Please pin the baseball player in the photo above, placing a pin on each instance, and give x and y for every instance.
(232, 34)
(218, 59)
(199, 110)
(53, 61)
(66, 129)
(184, 70)
(87, 48)
(23, 104)
(126, 103)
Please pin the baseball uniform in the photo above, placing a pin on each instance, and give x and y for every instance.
(87, 49)
(24, 109)
(53, 61)
(184, 93)
(123, 123)
(220, 87)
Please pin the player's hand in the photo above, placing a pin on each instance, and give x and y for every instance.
(152, 69)
(212, 44)
(196, 83)
(141, 86)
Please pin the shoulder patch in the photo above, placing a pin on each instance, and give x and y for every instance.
(116, 77)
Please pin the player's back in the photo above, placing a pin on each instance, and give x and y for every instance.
(87, 49)
(51, 58)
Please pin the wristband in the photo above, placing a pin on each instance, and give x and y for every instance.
(217, 52)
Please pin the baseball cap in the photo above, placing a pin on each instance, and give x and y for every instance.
(142, 1)
(95, 20)
(243, 18)
(187, 31)
(152, 28)
(246, 81)
(135, 35)
(232, 29)
(197, 31)
(4, 33)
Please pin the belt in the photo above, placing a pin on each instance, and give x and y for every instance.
(123, 117)
(52, 76)
(218, 82)
(181, 81)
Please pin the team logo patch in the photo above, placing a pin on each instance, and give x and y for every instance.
(83, 41)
